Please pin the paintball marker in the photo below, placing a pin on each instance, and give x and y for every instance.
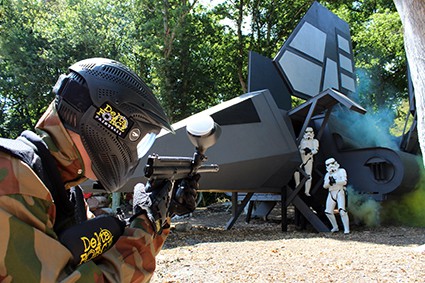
(203, 132)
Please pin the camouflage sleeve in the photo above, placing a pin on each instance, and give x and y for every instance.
(131, 259)
(30, 251)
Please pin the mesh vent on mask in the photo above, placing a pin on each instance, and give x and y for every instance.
(113, 161)
(88, 66)
(101, 137)
(76, 77)
(104, 142)
(118, 76)
(68, 115)
(106, 93)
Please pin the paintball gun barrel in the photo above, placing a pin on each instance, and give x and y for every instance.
(203, 132)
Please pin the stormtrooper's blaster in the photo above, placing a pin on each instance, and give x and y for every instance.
(203, 132)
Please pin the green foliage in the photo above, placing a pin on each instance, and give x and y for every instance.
(382, 63)
(188, 54)
(23, 84)
(39, 40)
(272, 22)
(403, 120)
(188, 74)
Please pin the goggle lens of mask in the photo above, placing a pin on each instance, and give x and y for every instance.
(145, 144)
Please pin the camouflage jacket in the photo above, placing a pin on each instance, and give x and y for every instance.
(29, 246)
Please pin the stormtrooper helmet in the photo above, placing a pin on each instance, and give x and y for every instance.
(309, 133)
(331, 165)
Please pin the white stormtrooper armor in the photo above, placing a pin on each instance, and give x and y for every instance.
(335, 181)
(308, 147)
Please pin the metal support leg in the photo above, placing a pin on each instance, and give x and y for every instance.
(237, 209)
(284, 210)
(249, 214)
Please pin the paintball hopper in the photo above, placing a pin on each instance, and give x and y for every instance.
(203, 132)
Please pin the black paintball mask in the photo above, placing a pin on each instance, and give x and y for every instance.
(114, 112)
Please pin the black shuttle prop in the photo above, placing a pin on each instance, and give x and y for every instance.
(257, 150)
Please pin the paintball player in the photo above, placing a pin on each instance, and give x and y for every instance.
(308, 147)
(335, 181)
(103, 120)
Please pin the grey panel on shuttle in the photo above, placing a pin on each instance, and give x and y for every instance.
(348, 82)
(253, 155)
(303, 75)
(331, 75)
(320, 37)
(346, 63)
(344, 44)
(262, 74)
(311, 41)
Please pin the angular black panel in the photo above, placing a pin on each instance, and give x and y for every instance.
(262, 74)
(242, 113)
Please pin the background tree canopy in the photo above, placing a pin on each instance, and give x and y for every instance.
(192, 54)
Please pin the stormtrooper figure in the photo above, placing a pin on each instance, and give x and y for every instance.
(308, 147)
(335, 181)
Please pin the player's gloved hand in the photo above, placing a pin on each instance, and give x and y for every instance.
(332, 180)
(153, 200)
(307, 150)
(183, 200)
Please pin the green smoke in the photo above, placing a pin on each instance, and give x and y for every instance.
(372, 130)
(409, 209)
(363, 209)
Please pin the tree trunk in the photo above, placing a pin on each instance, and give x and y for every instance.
(241, 46)
(412, 14)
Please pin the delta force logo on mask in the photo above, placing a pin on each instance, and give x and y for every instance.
(112, 119)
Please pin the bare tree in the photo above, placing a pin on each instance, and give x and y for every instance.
(412, 14)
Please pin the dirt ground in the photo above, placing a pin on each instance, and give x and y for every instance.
(200, 249)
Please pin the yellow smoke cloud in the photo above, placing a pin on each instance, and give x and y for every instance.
(363, 209)
(408, 209)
